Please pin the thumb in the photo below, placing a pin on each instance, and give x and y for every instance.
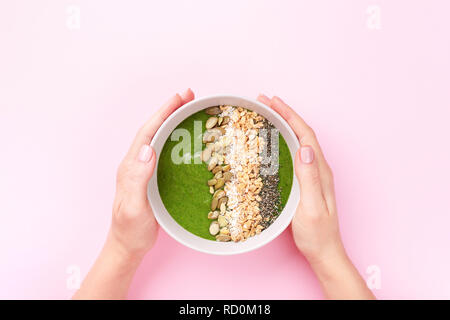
(146, 163)
(308, 177)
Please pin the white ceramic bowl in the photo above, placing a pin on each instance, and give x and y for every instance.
(208, 246)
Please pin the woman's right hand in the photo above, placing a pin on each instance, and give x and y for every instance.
(315, 225)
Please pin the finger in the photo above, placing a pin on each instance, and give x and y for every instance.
(146, 157)
(141, 171)
(148, 130)
(297, 124)
(301, 129)
(308, 176)
(187, 96)
(307, 137)
(264, 99)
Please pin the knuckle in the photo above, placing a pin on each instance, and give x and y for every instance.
(329, 173)
(128, 171)
(310, 215)
(141, 130)
(311, 131)
(313, 218)
(122, 172)
(126, 214)
(313, 177)
(120, 168)
(308, 137)
(142, 134)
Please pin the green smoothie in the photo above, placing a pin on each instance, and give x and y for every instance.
(183, 189)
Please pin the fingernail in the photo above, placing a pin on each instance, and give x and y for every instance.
(145, 154)
(306, 154)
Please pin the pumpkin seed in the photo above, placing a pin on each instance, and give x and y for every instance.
(218, 149)
(211, 122)
(212, 111)
(212, 163)
(214, 228)
(223, 238)
(208, 137)
(227, 175)
(222, 221)
(214, 204)
(213, 215)
(219, 122)
(223, 200)
(212, 182)
(206, 154)
(215, 130)
(219, 184)
(222, 208)
(217, 169)
(219, 194)
(225, 120)
(211, 135)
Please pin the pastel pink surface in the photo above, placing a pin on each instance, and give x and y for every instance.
(72, 100)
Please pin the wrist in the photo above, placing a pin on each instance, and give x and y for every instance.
(330, 263)
(122, 256)
(112, 273)
(339, 278)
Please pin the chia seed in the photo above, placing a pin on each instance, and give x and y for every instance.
(270, 204)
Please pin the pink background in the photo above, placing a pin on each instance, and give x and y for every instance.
(72, 100)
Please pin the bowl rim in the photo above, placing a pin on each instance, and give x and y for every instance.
(153, 181)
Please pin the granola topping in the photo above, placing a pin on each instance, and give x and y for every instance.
(233, 156)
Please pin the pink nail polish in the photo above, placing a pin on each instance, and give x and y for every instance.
(145, 154)
(307, 154)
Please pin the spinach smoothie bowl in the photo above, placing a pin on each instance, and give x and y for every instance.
(224, 182)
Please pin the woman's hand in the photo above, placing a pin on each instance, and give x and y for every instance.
(133, 229)
(315, 225)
